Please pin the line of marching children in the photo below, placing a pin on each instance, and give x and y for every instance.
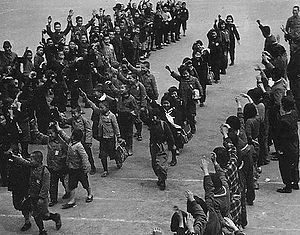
(269, 116)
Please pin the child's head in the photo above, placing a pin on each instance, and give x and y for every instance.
(103, 107)
(52, 132)
(79, 20)
(222, 156)
(288, 103)
(255, 94)
(28, 54)
(57, 27)
(84, 38)
(229, 19)
(40, 50)
(250, 111)
(233, 122)
(184, 71)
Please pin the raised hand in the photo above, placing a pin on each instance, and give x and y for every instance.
(49, 19)
(189, 195)
(71, 13)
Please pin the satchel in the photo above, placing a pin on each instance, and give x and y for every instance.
(121, 151)
(186, 133)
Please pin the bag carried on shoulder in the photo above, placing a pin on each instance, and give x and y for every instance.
(186, 133)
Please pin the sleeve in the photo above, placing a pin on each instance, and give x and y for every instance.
(287, 26)
(236, 33)
(240, 115)
(143, 95)
(82, 153)
(90, 23)
(115, 125)
(45, 183)
(221, 174)
(68, 28)
(154, 87)
(176, 76)
(208, 188)
(232, 165)
(49, 31)
(88, 131)
(278, 94)
(200, 220)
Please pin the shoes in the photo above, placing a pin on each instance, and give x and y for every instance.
(265, 162)
(139, 138)
(223, 71)
(216, 81)
(66, 196)
(284, 190)
(130, 152)
(57, 221)
(201, 104)
(104, 174)
(43, 232)
(173, 41)
(231, 64)
(25, 227)
(295, 186)
(173, 163)
(193, 131)
(89, 199)
(67, 205)
(177, 152)
(52, 203)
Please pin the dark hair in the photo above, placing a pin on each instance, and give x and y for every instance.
(266, 30)
(255, 94)
(182, 68)
(234, 122)
(222, 156)
(38, 155)
(77, 134)
(230, 16)
(199, 201)
(172, 89)
(78, 17)
(296, 6)
(288, 103)
(57, 23)
(39, 47)
(250, 111)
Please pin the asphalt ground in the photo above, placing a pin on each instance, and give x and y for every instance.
(128, 201)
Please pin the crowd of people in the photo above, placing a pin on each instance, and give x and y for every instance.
(106, 70)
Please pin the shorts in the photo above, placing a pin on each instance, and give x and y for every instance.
(77, 175)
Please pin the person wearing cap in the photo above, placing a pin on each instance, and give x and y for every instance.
(7, 58)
